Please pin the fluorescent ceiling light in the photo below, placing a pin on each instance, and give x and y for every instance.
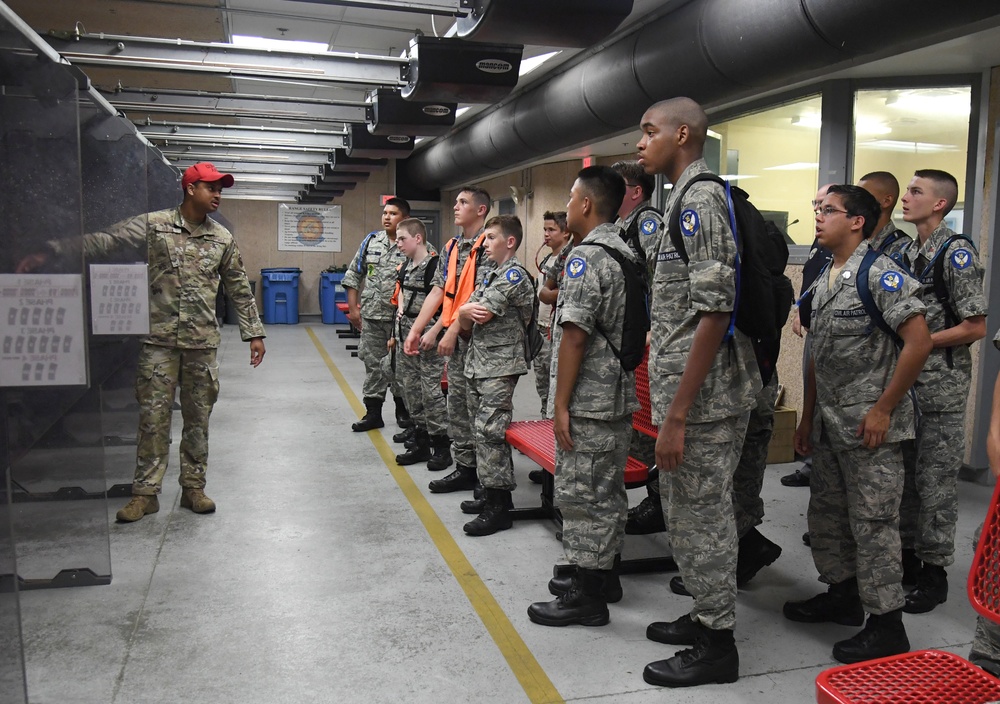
(932, 101)
(714, 135)
(462, 111)
(529, 65)
(279, 44)
(737, 177)
(810, 120)
(871, 125)
(794, 166)
(893, 145)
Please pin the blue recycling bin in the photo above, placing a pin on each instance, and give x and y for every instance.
(332, 292)
(281, 295)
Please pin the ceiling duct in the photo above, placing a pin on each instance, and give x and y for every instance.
(389, 114)
(342, 162)
(372, 146)
(710, 50)
(453, 70)
(568, 23)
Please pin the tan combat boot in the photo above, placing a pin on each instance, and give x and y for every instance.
(196, 500)
(138, 507)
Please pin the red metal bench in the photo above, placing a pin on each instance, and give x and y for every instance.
(927, 676)
(536, 440)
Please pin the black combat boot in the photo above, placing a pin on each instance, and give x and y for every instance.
(911, 567)
(495, 516)
(403, 419)
(536, 476)
(421, 451)
(441, 459)
(372, 418)
(755, 553)
(404, 436)
(881, 637)
(681, 631)
(712, 660)
(464, 478)
(582, 604)
(473, 507)
(647, 516)
(840, 603)
(561, 583)
(932, 589)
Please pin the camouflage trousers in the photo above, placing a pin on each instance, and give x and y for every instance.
(541, 364)
(853, 520)
(372, 349)
(419, 380)
(929, 511)
(160, 370)
(986, 643)
(463, 442)
(590, 491)
(748, 481)
(493, 401)
(699, 516)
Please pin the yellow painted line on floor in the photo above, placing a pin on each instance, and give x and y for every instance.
(529, 673)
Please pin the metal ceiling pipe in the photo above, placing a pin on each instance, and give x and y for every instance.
(569, 23)
(709, 50)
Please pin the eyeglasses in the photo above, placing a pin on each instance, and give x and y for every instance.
(828, 210)
(631, 185)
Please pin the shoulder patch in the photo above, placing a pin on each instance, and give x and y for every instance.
(689, 223)
(891, 281)
(575, 267)
(648, 226)
(514, 276)
(961, 258)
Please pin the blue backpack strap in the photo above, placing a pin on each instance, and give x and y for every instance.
(364, 251)
(865, 294)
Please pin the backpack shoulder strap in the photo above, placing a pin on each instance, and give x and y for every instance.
(940, 289)
(632, 231)
(432, 264)
(674, 217)
(364, 251)
(865, 294)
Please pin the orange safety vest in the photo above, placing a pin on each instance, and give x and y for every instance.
(457, 292)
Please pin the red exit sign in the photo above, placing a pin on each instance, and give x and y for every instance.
(387, 198)
(588, 161)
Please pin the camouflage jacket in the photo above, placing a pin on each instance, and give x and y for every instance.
(497, 347)
(682, 292)
(376, 275)
(651, 229)
(894, 250)
(185, 269)
(940, 387)
(592, 297)
(855, 359)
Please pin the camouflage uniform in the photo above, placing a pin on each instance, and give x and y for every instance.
(543, 360)
(376, 279)
(699, 507)
(494, 361)
(185, 268)
(651, 230)
(590, 478)
(854, 492)
(419, 376)
(463, 442)
(895, 250)
(748, 480)
(930, 497)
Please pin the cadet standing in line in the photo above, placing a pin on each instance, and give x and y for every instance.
(641, 223)
(593, 398)
(496, 319)
(373, 272)
(702, 388)
(465, 265)
(188, 254)
(855, 415)
(420, 375)
(952, 289)
(887, 239)
(555, 237)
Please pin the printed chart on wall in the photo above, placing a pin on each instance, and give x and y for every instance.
(43, 333)
(119, 299)
(308, 228)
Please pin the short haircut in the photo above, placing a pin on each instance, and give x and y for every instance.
(404, 206)
(858, 201)
(556, 216)
(480, 196)
(606, 188)
(634, 174)
(884, 179)
(412, 227)
(509, 226)
(945, 185)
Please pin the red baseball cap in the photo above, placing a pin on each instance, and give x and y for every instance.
(204, 171)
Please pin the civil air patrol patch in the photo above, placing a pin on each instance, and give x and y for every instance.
(371, 270)
(575, 267)
(689, 223)
(514, 276)
(647, 226)
(891, 281)
(961, 258)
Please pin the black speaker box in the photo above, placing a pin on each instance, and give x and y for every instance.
(373, 146)
(389, 114)
(454, 70)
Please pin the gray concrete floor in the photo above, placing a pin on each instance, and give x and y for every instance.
(317, 580)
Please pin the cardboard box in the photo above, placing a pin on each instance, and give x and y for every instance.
(782, 446)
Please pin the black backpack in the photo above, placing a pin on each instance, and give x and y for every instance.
(762, 254)
(631, 234)
(432, 265)
(636, 323)
(533, 339)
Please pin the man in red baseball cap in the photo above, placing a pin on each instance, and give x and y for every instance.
(189, 254)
